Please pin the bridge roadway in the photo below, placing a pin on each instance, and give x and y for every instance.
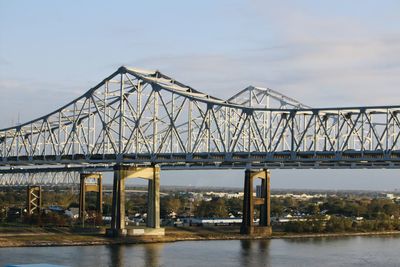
(136, 123)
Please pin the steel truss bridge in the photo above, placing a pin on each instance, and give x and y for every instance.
(145, 117)
(41, 178)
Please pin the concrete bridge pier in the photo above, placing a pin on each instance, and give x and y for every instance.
(90, 182)
(118, 202)
(262, 199)
(34, 199)
(118, 224)
(153, 199)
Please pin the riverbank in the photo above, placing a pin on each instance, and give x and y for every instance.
(34, 237)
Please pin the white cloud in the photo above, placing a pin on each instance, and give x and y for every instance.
(318, 74)
(322, 59)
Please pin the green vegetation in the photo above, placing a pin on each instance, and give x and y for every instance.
(320, 214)
(341, 214)
(340, 224)
(212, 209)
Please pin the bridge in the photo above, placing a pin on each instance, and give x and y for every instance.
(138, 122)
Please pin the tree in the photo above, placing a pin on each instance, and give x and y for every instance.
(339, 224)
(173, 205)
(312, 209)
(234, 205)
(214, 208)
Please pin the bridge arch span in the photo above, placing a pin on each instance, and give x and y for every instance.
(145, 117)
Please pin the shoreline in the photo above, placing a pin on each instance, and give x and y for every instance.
(50, 239)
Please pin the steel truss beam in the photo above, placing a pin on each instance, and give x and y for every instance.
(146, 117)
(62, 178)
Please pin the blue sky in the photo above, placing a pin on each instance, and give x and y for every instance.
(323, 53)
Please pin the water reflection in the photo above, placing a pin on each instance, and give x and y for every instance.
(255, 252)
(152, 254)
(245, 252)
(116, 255)
(327, 252)
(135, 255)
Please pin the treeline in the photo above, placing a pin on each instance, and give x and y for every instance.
(377, 208)
(346, 214)
(17, 197)
(215, 208)
(315, 224)
(371, 209)
(349, 213)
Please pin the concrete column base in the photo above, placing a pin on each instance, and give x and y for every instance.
(256, 230)
(137, 231)
(112, 232)
(145, 231)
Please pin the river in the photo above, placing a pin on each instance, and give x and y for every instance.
(343, 251)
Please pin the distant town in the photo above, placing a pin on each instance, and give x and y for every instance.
(296, 211)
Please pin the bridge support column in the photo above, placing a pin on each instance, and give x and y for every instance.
(118, 225)
(262, 199)
(118, 202)
(265, 194)
(153, 199)
(90, 182)
(34, 199)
